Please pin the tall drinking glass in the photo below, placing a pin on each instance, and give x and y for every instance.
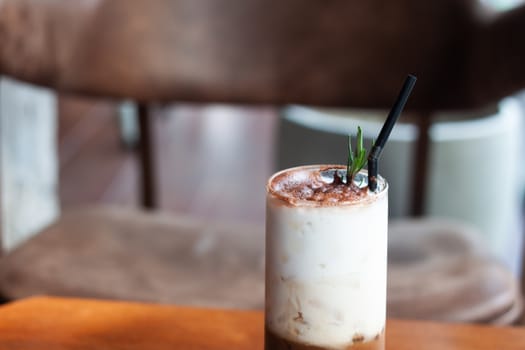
(326, 260)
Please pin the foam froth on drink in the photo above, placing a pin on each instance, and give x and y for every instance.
(320, 186)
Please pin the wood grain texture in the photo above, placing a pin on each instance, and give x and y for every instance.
(435, 271)
(439, 270)
(132, 255)
(338, 52)
(77, 324)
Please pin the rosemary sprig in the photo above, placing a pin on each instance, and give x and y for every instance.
(356, 161)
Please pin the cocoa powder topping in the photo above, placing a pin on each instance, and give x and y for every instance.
(318, 185)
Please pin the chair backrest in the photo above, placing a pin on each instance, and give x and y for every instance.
(324, 52)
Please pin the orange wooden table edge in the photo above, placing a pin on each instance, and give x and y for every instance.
(61, 323)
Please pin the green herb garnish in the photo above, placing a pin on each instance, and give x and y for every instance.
(356, 161)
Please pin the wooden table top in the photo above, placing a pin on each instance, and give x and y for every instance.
(78, 324)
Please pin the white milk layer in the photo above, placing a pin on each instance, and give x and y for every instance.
(326, 270)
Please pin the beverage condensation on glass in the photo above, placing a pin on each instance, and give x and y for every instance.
(326, 261)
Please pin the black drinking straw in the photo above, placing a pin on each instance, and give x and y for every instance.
(375, 153)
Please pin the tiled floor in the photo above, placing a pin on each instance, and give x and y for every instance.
(212, 162)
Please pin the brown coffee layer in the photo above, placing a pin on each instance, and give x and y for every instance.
(274, 342)
(311, 184)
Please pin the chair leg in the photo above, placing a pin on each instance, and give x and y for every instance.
(146, 153)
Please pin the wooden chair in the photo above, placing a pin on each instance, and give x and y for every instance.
(438, 270)
(334, 53)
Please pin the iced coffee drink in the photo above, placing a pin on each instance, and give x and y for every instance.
(326, 260)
